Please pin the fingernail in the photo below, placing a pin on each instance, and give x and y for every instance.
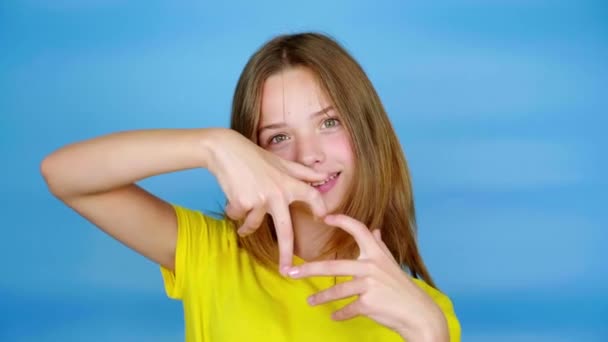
(284, 269)
(293, 272)
(311, 300)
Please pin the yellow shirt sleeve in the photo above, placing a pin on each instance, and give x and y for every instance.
(198, 238)
(445, 304)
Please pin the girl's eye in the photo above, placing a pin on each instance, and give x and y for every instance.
(331, 122)
(277, 139)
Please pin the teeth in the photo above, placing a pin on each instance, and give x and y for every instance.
(324, 181)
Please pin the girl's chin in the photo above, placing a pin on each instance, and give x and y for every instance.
(302, 209)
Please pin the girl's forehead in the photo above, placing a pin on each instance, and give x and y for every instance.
(291, 93)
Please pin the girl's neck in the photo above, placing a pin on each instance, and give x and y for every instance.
(310, 235)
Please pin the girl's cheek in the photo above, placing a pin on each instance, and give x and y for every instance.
(340, 143)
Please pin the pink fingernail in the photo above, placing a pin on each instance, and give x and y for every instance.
(284, 269)
(293, 272)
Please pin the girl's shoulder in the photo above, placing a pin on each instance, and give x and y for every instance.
(213, 229)
(445, 304)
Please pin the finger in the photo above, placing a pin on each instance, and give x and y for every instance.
(303, 172)
(364, 238)
(253, 221)
(312, 198)
(352, 310)
(234, 211)
(355, 268)
(378, 235)
(342, 290)
(282, 224)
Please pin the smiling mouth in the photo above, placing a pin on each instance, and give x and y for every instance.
(317, 184)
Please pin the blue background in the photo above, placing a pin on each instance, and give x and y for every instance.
(500, 106)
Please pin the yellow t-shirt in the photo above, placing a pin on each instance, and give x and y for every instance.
(227, 296)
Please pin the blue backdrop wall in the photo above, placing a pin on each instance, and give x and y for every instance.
(500, 107)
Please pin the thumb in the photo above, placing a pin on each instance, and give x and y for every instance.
(377, 234)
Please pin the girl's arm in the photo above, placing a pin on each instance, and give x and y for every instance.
(97, 179)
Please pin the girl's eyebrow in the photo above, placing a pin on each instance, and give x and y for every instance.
(282, 124)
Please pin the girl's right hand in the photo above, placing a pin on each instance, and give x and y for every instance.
(257, 182)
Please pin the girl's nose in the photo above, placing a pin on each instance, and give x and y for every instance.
(310, 152)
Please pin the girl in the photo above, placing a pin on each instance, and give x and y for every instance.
(318, 238)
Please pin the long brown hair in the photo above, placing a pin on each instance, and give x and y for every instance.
(381, 196)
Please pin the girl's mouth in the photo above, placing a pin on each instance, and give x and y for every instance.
(326, 185)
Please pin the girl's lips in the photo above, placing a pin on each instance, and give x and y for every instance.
(331, 176)
(325, 187)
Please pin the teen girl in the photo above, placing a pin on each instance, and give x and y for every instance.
(318, 240)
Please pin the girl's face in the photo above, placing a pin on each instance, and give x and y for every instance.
(299, 124)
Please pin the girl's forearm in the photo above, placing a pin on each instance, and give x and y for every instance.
(114, 160)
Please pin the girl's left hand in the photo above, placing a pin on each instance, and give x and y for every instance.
(385, 292)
